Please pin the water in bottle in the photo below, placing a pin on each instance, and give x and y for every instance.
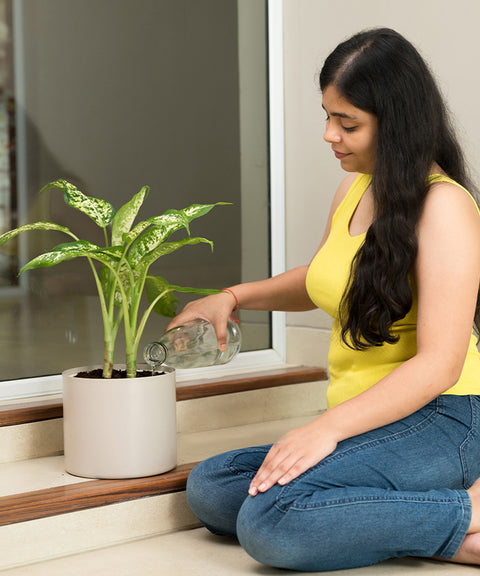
(193, 345)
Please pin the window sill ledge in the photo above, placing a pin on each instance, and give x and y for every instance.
(41, 409)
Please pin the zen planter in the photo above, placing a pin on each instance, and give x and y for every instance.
(119, 428)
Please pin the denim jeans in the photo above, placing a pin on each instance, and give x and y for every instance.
(399, 490)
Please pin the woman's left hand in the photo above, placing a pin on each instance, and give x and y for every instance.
(293, 454)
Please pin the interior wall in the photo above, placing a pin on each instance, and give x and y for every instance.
(445, 32)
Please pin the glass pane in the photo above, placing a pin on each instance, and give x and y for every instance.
(113, 95)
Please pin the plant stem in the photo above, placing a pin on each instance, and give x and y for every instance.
(143, 322)
(110, 326)
(107, 331)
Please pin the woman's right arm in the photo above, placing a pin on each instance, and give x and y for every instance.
(285, 292)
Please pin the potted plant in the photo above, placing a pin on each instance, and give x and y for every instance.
(119, 427)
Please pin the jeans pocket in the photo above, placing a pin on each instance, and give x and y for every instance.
(470, 448)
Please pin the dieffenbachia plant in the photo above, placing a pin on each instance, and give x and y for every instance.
(125, 261)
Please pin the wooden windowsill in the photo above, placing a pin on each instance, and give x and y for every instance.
(38, 410)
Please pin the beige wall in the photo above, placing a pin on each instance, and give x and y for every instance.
(447, 35)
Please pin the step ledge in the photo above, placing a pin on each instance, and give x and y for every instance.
(58, 499)
(84, 495)
(38, 410)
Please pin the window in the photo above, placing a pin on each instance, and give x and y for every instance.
(113, 95)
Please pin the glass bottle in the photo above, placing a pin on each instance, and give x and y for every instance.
(193, 345)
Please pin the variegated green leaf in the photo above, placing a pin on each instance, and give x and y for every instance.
(69, 251)
(168, 248)
(162, 227)
(171, 219)
(115, 252)
(183, 217)
(165, 224)
(4, 238)
(197, 210)
(124, 218)
(136, 231)
(166, 306)
(147, 242)
(100, 211)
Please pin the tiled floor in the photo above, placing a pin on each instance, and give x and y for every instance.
(198, 553)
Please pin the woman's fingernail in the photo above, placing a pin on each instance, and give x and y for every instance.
(253, 491)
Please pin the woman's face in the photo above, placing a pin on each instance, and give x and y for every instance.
(352, 132)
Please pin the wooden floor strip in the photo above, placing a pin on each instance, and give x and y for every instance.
(26, 412)
(84, 495)
(35, 411)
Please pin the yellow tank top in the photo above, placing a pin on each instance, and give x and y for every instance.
(353, 371)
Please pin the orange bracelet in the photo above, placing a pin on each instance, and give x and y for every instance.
(234, 311)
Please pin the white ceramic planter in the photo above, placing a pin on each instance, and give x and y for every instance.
(119, 428)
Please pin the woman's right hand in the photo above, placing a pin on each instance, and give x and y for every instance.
(216, 309)
(285, 292)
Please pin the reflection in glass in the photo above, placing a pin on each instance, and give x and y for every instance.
(117, 94)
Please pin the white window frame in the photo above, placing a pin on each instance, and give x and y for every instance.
(247, 361)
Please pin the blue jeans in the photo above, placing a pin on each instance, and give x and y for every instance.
(399, 490)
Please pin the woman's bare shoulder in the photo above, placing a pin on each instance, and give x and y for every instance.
(451, 203)
(342, 189)
(450, 215)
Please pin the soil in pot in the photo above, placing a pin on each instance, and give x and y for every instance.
(117, 373)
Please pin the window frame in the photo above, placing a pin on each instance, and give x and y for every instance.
(273, 357)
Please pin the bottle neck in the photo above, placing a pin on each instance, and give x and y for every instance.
(155, 354)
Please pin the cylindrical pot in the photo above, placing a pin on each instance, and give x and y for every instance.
(119, 428)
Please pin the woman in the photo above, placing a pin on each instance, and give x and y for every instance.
(390, 468)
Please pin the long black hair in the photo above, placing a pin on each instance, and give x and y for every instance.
(380, 72)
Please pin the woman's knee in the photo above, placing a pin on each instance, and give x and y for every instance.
(202, 495)
(215, 493)
(271, 535)
(195, 482)
(260, 532)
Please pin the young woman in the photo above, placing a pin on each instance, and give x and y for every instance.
(390, 468)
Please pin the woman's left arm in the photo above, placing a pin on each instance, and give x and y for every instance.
(448, 276)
